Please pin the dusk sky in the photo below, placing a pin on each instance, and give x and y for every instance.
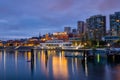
(26, 18)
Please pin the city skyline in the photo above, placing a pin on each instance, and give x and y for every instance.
(26, 18)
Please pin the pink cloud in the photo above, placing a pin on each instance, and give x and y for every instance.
(61, 5)
(109, 5)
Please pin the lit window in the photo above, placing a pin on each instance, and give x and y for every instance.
(117, 20)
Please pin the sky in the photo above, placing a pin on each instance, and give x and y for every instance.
(27, 18)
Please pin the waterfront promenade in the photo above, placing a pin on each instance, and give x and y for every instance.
(83, 52)
(60, 49)
(36, 48)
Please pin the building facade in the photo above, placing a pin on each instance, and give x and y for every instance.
(96, 27)
(67, 29)
(74, 31)
(115, 24)
(61, 36)
(80, 27)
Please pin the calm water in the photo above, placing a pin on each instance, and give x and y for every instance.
(54, 66)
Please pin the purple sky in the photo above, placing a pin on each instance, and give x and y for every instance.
(26, 18)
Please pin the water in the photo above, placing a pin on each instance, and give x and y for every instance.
(17, 65)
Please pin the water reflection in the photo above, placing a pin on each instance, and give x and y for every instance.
(4, 60)
(116, 72)
(43, 61)
(16, 57)
(0, 56)
(60, 67)
(53, 65)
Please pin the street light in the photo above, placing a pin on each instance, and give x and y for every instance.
(108, 45)
(85, 44)
(84, 48)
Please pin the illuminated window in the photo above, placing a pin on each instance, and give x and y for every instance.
(117, 20)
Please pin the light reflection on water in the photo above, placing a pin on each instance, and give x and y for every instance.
(53, 65)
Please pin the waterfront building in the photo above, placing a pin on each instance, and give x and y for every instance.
(75, 41)
(96, 27)
(1, 43)
(47, 37)
(115, 24)
(112, 38)
(53, 44)
(85, 28)
(67, 29)
(61, 36)
(34, 41)
(74, 31)
(80, 27)
(13, 43)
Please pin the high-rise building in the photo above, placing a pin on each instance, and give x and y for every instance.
(115, 24)
(74, 31)
(67, 29)
(80, 27)
(85, 27)
(96, 27)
